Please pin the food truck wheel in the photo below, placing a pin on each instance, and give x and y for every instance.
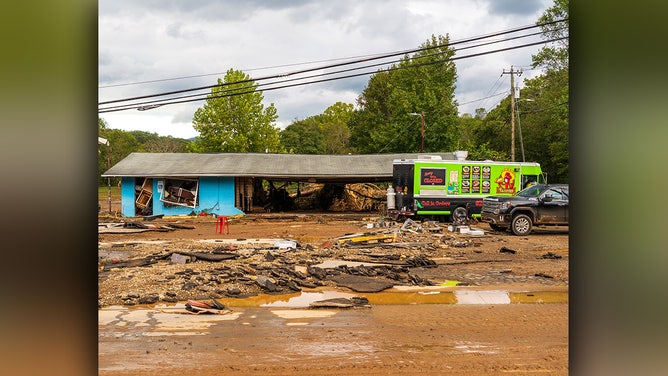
(459, 215)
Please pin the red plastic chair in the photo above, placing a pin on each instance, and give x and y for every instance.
(222, 225)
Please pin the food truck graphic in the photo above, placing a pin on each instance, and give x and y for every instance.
(431, 186)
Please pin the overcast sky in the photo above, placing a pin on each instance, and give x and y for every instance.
(154, 46)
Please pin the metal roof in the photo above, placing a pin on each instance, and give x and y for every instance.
(293, 167)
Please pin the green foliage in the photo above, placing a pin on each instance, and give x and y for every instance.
(389, 118)
(554, 57)
(541, 112)
(326, 133)
(545, 123)
(421, 83)
(122, 143)
(231, 121)
(165, 144)
(334, 127)
(303, 137)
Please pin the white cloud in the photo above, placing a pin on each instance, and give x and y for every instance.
(166, 39)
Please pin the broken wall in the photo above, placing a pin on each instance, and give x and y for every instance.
(214, 195)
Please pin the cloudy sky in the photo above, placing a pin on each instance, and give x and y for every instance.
(156, 46)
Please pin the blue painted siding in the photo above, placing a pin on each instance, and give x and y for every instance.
(216, 195)
(128, 197)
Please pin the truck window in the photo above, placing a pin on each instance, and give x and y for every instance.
(529, 180)
(556, 195)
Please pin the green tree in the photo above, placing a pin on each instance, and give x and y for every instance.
(491, 134)
(121, 144)
(326, 133)
(554, 57)
(546, 118)
(334, 127)
(233, 119)
(303, 137)
(544, 122)
(420, 83)
(165, 144)
(541, 112)
(472, 139)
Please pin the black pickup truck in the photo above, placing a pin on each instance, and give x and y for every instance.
(537, 205)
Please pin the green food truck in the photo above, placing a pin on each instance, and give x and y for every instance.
(429, 186)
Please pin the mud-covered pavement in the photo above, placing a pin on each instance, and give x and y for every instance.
(511, 314)
(429, 339)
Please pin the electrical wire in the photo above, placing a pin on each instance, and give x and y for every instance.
(238, 91)
(327, 60)
(153, 104)
(382, 56)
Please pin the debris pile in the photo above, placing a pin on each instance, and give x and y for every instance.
(408, 253)
(212, 306)
(359, 197)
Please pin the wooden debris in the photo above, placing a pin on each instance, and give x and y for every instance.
(367, 239)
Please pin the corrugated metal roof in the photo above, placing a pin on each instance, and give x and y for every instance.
(295, 167)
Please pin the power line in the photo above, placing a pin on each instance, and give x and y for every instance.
(155, 103)
(491, 96)
(318, 61)
(382, 56)
(151, 104)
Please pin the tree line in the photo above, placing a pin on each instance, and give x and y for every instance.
(387, 116)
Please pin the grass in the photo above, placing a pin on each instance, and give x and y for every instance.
(102, 192)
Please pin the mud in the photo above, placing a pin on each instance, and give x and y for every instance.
(486, 312)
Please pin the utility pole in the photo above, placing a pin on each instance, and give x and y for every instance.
(512, 109)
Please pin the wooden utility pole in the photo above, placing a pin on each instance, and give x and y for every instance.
(512, 109)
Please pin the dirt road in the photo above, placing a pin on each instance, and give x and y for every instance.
(525, 336)
(430, 339)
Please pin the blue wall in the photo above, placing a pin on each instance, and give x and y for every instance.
(216, 195)
(128, 197)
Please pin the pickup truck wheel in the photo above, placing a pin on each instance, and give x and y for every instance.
(521, 225)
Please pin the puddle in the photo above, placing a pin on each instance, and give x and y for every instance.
(305, 298)
(482, 297)
(418, 297)
(539, 297)
(303, 313)
(395, 296)
(133, 317)
(161, 321)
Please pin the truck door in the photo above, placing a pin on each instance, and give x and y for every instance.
(554, 208)
(402, 181)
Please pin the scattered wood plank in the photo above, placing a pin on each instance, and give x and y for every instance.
(121, 230)
(367, 239)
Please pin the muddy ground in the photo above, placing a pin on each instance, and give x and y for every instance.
(144, 269)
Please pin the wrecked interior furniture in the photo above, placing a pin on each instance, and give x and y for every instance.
(145, 194)
(182, 192)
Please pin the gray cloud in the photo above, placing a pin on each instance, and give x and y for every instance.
(159, 40)
(515, 7)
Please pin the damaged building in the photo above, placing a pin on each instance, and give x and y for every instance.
(228, 184)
